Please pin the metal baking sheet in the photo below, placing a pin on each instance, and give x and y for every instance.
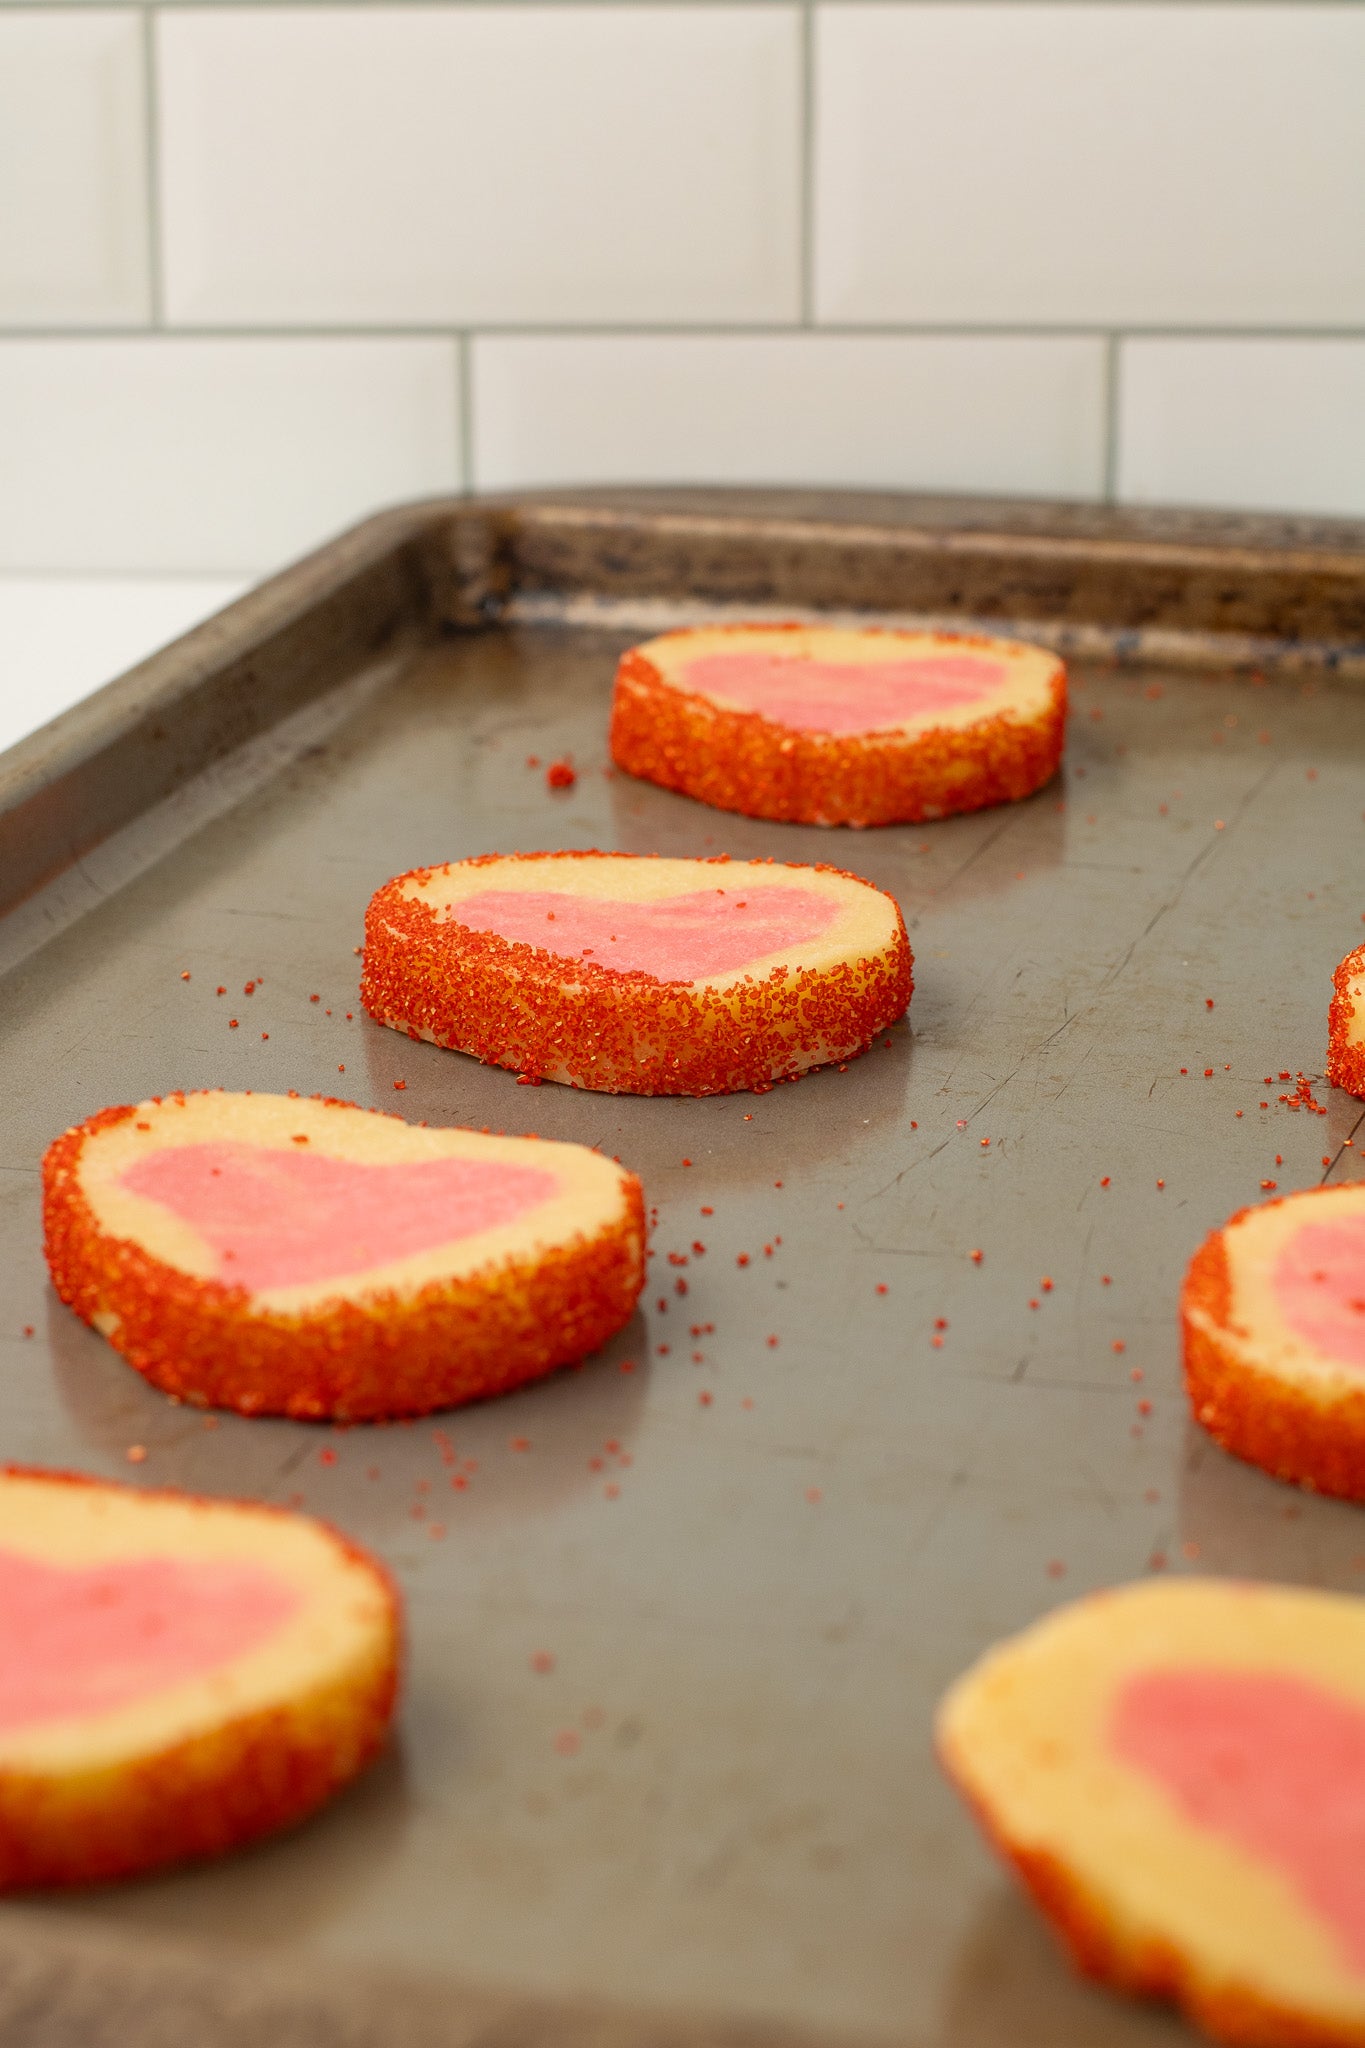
(762, 1531)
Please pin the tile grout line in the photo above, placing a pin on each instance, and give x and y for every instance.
(465, 411)
(807, 165)
(1112, 349)
(151, 117)
(699, 330)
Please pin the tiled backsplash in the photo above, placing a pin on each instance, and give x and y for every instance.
(264, 267)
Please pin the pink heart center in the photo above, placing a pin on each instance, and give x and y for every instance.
(845, 696)
(284, 1219)
(1320, 1286)
(680, 938)
(1270, 1762)
(88, 1640)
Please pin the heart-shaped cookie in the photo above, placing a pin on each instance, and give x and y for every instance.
(839, 726)
(639, 976)
(1273, 1314)
(177, 1676)
(309, 1258)
(1176, 1769)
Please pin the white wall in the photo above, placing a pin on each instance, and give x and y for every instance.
(263, 267)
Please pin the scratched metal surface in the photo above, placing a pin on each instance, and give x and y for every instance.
(756, 1569)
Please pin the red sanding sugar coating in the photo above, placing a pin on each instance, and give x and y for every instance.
(1346, 1057)
(803, 756)
(522, 1006)
(1273, 1764)
(102, 1636)
(283, 1219)
(678, 938)
(844, 696)
(1320, 1286)
(376, 1354)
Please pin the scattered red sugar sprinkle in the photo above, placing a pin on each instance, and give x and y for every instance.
(611, 1491)
(1208, 1000)
(265, 1034)
(1161, 1183)
(1270, 1183)
(1144, 1407)
(1106, 1280)
(327, 1457)
(962, 1123)
(699, 1249)
(28, 1329)
(661, 1350)
(186, 975)
(1157, 1561)
(1033, 1302)
(1137, 1373)
(1046, 1284)
(341, 1067)
(913, 1125)
(742, 1259)
(767, 1251)
(533, 760)
(400, 1084)
(220, 990)
(881, 1287)
(568, 1742)
(747, 1402)
(232, 1023)
(561, 775)
(814, 1495)
(1105, 1182)
(136, 1453)
(937, 1343)
(777, 1183)
(1184, 1070)
(707, 1211)
(315, 999)
(687, 1162)
(704, 1399)
(1279, 1159)
(1118, 1345)
(977, 1256)
(1056, 1569)
(940, 1322)
(1208, 1073)
(520, 1443)
(698, 1358)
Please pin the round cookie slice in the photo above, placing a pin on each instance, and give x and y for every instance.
(635, 974)
(1346, 1026)
(827, 725)
(299, 1257)
(1176, 1770)
(178, 1676)
(1273, 1315)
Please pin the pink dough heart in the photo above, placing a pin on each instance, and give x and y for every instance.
(84, 1640)
(285, 1219)
(679, 938)
(845, 696)
(1273, 1764)
(1320, 1285)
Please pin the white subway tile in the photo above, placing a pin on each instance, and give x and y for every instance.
(73, 172)
(1273, 425)
(1142, 164)
(473, 163)
(163, 454)
(991, 413)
